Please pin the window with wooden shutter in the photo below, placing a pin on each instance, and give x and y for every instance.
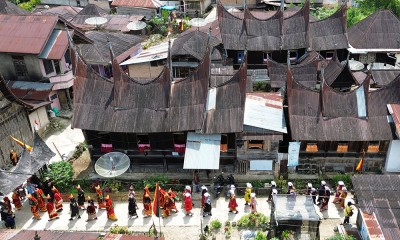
(312, 147)
(342, 147)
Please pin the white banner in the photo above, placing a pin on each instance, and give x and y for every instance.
(293, 154)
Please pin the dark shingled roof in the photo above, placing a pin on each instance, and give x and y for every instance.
(99, 51)
(193, 43)
(330, 33)
(305, 74)
(383, 77)
(307, 123)
(89, 11)
(7, 7)
(380, 194)
(228, 114)
(263, 33)
(233, 29)
(380, 30)
(295, 29)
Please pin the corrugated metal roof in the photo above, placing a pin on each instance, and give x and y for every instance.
(394, 110)
(154, 53)
(7, 7)
(25, 34)
(265, 110)
(56, 45)
(383, 77)
(138, 3)
(8, 233)
(67, 12)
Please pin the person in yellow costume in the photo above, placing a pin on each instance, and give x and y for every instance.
(247, 194)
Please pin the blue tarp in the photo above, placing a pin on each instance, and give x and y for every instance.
(168, 7)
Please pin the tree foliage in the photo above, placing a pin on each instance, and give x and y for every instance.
(61, 173)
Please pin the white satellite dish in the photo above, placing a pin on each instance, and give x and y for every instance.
(197, 22)
(138, 25)
(112, 164)
(354, 65)
(96, 21)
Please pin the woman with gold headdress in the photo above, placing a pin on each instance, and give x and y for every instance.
(40, 198)
(167, 205)
(146, 202)
(57, 199)
(34, 206)
(174, 198)
(91, 210)
(51, 210)
(16, 200)
(110, 209)
(247, 194)
(100, 198)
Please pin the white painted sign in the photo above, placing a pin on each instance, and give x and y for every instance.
(293, 154)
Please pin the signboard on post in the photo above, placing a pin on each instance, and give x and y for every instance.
(293, 154)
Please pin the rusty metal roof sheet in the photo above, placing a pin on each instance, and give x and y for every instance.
(67, 12)
(7, 7)
(8, 233)
(381, 30)
(380, 194)
(394, 110)
(56, 45)
(25, 34)
(137, 3)
(382, 77)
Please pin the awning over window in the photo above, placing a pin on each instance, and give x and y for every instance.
(202, 151)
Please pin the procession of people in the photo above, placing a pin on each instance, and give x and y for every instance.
(52, 203)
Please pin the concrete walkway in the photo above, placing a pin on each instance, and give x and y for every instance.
(188, 227)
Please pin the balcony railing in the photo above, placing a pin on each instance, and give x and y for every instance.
(62, 81)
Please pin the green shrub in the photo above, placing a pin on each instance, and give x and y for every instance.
(113, 185)
(346, 178)
(260, 236)
(252, 220)
(257, 184)
(215, 224)
(151, 182)
(340, 237)
(61, 173)
(120, 230)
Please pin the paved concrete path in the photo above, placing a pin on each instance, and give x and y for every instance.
(178, 222)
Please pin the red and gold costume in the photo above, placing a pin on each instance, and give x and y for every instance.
(174, 198)
(40, 197)
(162, 200)
(16, 201)
(110, 209)
(34, 206)
(167, 205)
(58, 200)
(233, 204)
(188, 204)
(91, 210)
(343, 196)
(338, 192)
(147, 208)
(51, 210)
(100, 198)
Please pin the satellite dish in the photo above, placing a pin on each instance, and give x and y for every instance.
(112, 164)
(197, 22)
(138, 25)
(354, 65)
(96, 21)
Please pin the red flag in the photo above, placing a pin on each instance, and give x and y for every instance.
(156, 204)
(181, 27)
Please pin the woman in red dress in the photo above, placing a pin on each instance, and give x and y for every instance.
(7, 204)
(40, 198)
(100, 198)
(34, 206)
(232, 203)
(188, 204)
(58, 199)
(51, 210)
(16, 200)
(110, 209)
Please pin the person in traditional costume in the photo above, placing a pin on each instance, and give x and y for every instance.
(309, 187)
(174, 199)
(10, 221)
(73, 207)
(207, 205)
(7, 204)
(34, 207)
(188, 189)
(188, 204)
(57, 199)
(132, 203)
(343, 196)
(81, 197)
(314, 195)
(16, 200)
(232, 202)
(51, 209)
(203, 198)
(247, 194)
(325, 199)
(338, 192)
(162, 199)
(167, 205)
(110, 209)
(146, 202)
(321, 192)
(47, 187)
(253, 203)
(41, 202)
(273, 186)
(100, 198)
(291, 189)
(91, 210)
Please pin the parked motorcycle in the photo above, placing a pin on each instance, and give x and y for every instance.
(230, 185)
(218, 185)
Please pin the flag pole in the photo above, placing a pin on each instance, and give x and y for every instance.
(158, 206)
